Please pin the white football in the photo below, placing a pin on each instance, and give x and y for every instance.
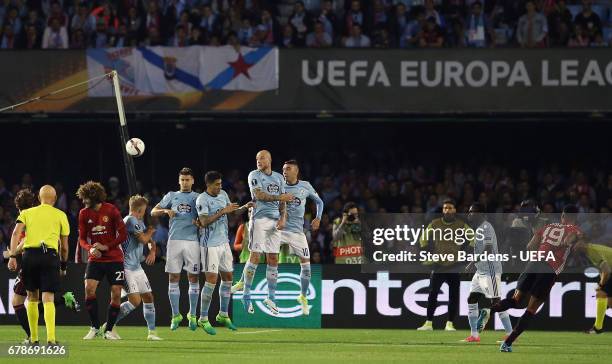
(135, 147)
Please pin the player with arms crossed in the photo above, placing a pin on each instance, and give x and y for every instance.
(537, 279)
(213, 206)
(137, 284)
(486, 282)
(101, 231)
(183, 249)
(268, 218)
(293, 233)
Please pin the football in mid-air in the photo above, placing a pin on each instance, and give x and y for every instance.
(135, 147)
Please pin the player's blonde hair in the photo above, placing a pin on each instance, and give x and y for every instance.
(138, 201)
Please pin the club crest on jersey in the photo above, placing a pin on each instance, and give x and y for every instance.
(184, 208)
(295, 202)
(105, 218)
(272, 188)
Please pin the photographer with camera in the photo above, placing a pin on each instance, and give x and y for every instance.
(347, 236)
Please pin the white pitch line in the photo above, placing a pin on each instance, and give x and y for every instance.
(256, 332)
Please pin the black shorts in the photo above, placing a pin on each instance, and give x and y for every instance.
(537, 280)
(19, 287)
(40, 270)
(112, 270)
(607, 287)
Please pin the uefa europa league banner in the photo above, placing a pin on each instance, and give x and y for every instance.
(204, 80)
(446, 80)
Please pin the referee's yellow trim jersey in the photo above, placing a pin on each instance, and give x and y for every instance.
(598, 253)
(44, 223)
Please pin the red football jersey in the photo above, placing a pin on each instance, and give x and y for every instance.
(104, 226)
(553, 235)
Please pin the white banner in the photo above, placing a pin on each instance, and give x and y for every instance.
(149, 71)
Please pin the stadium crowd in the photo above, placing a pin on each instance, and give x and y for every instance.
(53, 24)
(414, 189)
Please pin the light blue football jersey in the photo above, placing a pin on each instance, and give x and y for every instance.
(214, 234)
(181, 226)
(132, 248)
(272, 184)
(301, 191)
(487, 267)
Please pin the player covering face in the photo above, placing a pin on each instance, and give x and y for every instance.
(137, 283)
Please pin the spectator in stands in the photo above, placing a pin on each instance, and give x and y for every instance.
(34, 19)
(246, 31)
(106, 15)
(381, 38)
(413, 31)
(12, 19)
(588, 20)
(354, 16)
(183, 22)
(121, 38)
(379, 18)
(232, 40)
(560, 23)
(532, 28)
(398, 23)
(81, 20)
(357, 39)
(55, 36)
(99, 38)
(431, 12)
(32, 39)
(258, 36)
(579, 39)
(57, 12)
(153, 18)
(180, 38)
(210, 22)
(431, 36)
(134, 23)
(196, 37)
(318, 38)
(8, 40)
(479, 33)
(599, 41)
(329, 18)
(301, 22)
(271, 35)
(288, 40)
(77, 40)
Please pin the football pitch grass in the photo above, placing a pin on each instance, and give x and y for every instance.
(260, 345)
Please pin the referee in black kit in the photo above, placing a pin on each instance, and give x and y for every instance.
(45, 228)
